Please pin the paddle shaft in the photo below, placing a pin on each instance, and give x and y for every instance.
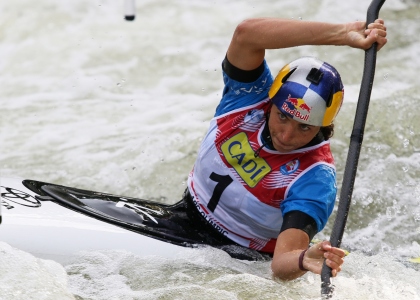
(354, 148)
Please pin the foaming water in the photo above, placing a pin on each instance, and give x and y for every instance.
(92, 101)
(24, 276)
(211, 274)
(204, 273)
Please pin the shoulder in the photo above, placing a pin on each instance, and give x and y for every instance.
(313, 192)
(243, 88)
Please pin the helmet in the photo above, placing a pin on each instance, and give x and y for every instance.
(308, 90)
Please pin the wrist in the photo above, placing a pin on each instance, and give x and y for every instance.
(301, 257)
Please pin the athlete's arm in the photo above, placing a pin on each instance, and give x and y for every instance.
(252, 37)
(290, 245)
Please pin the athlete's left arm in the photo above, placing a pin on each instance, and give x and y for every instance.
(291, 243)
(307, 207)
(253, 37)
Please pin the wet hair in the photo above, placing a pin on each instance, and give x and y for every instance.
(327, 131)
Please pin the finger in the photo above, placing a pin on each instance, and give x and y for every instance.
(374, 35)
(335, 271)
(324, 247)
(334, 262)
(379, 37)
(337, 259)
(377, 26)
(378, 23)
(382, 43)
(337, 252)
(380, 33)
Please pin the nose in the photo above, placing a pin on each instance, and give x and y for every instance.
(288, 134)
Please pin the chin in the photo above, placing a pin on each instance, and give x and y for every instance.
(284, 150)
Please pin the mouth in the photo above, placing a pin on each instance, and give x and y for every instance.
(279, 146)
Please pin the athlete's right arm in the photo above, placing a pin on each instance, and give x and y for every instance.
(292, 258)
(252, 37)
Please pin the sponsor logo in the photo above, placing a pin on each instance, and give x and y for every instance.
(240, 155)
(290, 167)
(144, 212)
(18, 197)
(254, 116)
(300, 109)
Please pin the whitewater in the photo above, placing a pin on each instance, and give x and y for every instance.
(93, 101)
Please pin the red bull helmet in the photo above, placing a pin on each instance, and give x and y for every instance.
(309, 91)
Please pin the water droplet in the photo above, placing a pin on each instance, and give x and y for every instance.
(411, 131)
(405, 169)
(389, 213)
(406, 142)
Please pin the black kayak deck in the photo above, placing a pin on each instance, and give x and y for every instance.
(168, 223)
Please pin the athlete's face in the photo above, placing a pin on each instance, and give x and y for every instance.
(287, 134)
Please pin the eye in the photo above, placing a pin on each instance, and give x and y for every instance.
(305, 127)
(282, 116)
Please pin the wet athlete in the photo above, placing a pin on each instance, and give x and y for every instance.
(264, 177)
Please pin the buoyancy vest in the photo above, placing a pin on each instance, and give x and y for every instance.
(243, 189)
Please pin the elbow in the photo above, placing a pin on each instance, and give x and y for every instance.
(281, 272)
(243, 31)
(277, 272)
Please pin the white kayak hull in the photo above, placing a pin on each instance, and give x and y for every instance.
(49, 230)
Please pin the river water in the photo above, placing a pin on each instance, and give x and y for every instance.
(93, 101)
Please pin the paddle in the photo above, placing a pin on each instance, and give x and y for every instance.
(354, 149)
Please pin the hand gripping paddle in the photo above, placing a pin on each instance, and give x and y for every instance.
(354, 149)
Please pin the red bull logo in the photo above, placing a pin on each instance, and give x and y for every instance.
(304, 106)
(299, 105)
(294, 101)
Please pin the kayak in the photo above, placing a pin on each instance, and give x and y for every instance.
(37, 223)
(56, 222)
